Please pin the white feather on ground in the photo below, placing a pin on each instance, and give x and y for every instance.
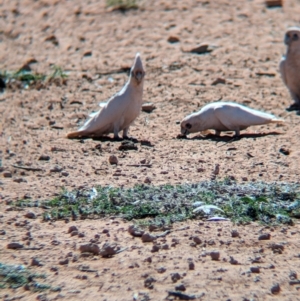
(290, 64)
(225, 116)
(120, 111)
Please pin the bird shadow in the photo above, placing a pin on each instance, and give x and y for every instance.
(232, 138)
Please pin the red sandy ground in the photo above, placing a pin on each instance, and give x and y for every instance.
(248, 43)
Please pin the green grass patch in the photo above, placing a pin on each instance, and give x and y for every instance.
(25, 77)
(268, 203)
(122, 5)
(15, 276)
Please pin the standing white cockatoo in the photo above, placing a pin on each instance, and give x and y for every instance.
(290, 65)
(120, 111)
(225, 116)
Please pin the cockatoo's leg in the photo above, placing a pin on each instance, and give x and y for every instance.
(125, 133)
(237, 133)
(116, 131)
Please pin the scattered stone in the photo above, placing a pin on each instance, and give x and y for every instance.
(54, 269)
(64, 261)
(30, 214)
(264, 236)
(219, 80)
(44, 158)
(235, 233)
(104, 231)
(147, 237)
(180, 287)
(201, 49)
(113, 159)
(148, 283)
(294, 282)
(165, 246)
(74, 233)
(2, 232)
(72, 228)
(36, 262)
(14, 246)
(148, 259)
(81, 234)
(90, 248)
(64, 173)
(155, 248)
(191, 264)
(233, 261)
(7, 174)
(161, 270)
(175, 242)
(56, 168)
(197, 240)
(175, 277)
(148, 107)
(135, 231)
(215, 255)
(277, 248)
(274, 3)
(127, 145)
(109, 250)
(173, 39)
(147, 180)
(254, 269)
(182, 296)
(293, 275)
(275, 289)
(19, 180)
(284, 151)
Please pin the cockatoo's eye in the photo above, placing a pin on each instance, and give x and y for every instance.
(138, 75)
(295, 37)
(188, 126)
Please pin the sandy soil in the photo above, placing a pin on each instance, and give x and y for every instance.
(87, 40)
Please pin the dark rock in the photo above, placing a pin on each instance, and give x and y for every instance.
(135, 231)
(275, 289)
(72, 228)
(30, 214)
(215, 255)
(90, 248)
(14, 246)
(175, 277)
(147, 237)
(264, 236)
(148, 283)
(180, 287)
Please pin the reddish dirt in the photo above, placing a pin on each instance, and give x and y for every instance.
(247, 40)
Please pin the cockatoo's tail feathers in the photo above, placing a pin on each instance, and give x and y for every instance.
(277, 120)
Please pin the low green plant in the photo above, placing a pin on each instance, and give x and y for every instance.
(122, 4)
(264, 202)
(14, 276)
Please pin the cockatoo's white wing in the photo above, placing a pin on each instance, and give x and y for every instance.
(110, 113)
(237, 117)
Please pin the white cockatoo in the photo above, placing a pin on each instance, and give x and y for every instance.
(290, 65)
(225, 116)
(120, 111)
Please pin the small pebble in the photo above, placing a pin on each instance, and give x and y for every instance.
(215, 255)
(113, 160)
(275, 289)
(264, 236)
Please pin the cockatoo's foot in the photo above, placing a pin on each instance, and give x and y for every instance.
(294, 107)
(217, 133)
(237, 133)
(117, 138)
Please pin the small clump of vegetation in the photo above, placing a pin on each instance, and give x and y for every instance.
(15, 276)
(26, 78)
(122, 5)
(241, 203)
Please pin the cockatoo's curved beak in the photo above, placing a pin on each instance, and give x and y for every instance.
(184, 131)
(287, 39)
